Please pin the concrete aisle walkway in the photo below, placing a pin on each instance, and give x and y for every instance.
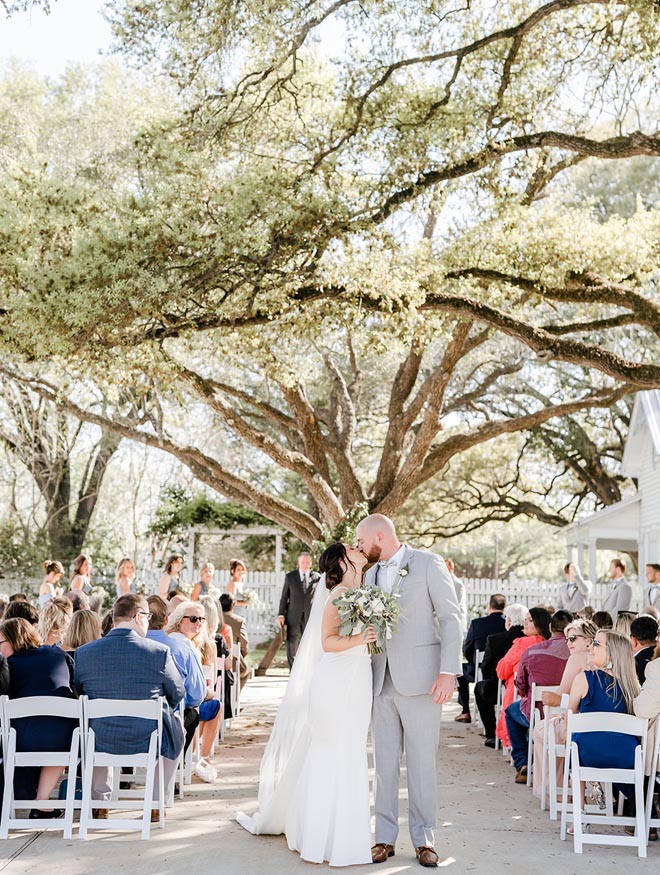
(487, 823)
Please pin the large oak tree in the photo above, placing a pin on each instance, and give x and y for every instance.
(334, 252)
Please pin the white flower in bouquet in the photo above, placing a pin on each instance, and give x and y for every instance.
(359, 608)
(251, 597)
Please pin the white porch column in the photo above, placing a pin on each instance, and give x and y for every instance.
(593, 569)
(190, 555)
(580, 556)
(278, 557)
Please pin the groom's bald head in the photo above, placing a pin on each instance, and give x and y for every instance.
(376, 537)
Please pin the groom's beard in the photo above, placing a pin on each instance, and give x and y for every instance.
(374, 554)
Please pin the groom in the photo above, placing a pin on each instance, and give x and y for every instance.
(412, 679)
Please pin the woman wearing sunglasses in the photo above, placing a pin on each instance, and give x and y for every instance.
(188, 621)
(579, 638)
(609, 685)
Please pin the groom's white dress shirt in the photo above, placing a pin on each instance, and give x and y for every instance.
(388, 570)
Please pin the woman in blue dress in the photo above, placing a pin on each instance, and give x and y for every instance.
(610, 685)
(36, 670)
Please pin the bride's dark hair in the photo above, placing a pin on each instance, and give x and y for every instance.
(329, 564)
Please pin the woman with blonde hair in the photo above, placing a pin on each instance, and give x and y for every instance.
(609, 685)
(189, 621)
(579, 635)
(82, 568)
(54, 620)
(124, 575)
(49, 589)
(169, 579)
(85, 626)
(201, 588)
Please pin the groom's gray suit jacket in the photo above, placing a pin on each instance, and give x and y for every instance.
(430, 632)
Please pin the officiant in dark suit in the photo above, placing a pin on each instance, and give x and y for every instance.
(296, 603)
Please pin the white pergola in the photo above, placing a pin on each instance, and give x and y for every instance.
(197, 532)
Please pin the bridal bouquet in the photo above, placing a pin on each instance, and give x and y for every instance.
(359, 608)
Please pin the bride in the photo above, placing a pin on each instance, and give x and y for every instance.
(313, 783)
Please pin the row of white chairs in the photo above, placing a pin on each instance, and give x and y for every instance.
(82, 753)
(571, 803)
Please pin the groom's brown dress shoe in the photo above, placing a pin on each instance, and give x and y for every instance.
(380, 852)
(427, 856)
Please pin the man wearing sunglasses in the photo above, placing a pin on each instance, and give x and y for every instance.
(127, 665)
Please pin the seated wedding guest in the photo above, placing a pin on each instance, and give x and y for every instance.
(54, 620)
(4, 601)
(124, 576)
(85, 626)
(603, 620)
(574, 592)
(543, 665)
(477, 635)
(536, 629)
(609, 685)
(186, 662)
(126, 665)
(623, 622)
(643, 634)
(579, 636)
(209, 711)
(22, 610)
(188, 622)
(176, 600)
(36, 670)
(106, 623)
(18, 597)
(224, 653)
(497, 645)
(79, 599)
(82, 568)
(206, 573)
(587, 613)
(169, 579)
(239, 635)
(50, 587)
(227, 603)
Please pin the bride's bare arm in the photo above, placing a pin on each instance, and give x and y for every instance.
(332, 641)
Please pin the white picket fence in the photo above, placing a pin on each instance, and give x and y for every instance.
(262, 613)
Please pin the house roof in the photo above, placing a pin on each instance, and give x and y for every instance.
(645, 421)
(615, 527)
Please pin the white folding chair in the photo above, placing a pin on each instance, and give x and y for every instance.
(236, 687)
(552, 751)
(38, 706)
(498, 709)
(625, 724)
(220, 689)
(111, 709)
(653, 778)
(534, 715)
(478, 676)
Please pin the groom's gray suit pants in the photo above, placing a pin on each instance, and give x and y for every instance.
(410, 723)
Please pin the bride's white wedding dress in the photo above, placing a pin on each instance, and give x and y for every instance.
(314, 783)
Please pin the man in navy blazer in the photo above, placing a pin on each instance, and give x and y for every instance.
(477, 635)
(127, 665)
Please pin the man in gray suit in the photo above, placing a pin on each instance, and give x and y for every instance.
(620, 594)
(127, 665)
(412, 680)
(573, 594)
(652, 589)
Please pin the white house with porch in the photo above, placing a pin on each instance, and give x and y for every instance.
(632, 524)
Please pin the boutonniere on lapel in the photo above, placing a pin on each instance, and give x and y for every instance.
(403, 572)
